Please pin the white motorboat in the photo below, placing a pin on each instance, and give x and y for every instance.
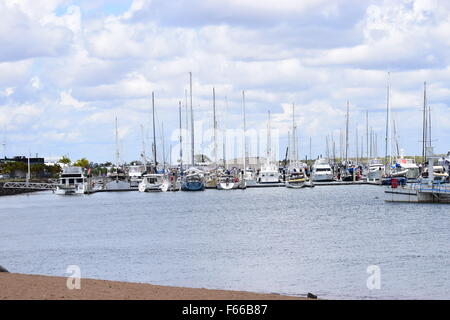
(269, 174)
(376, 170)
(135, 175)
(72, 181)
(155, 182)
(250, 177)
(412, 169)
(321, 171)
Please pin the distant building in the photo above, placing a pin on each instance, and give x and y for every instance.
(23, 159)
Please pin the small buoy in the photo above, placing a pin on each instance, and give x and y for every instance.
(3, 269)
(311, 296)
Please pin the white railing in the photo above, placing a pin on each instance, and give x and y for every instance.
(29, 185)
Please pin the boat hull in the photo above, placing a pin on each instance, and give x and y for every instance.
(322, 177)
(192, 186)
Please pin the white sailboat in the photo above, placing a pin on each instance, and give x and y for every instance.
(269, 172)
(154, 182)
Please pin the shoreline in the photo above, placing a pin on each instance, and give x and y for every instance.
(16, 286)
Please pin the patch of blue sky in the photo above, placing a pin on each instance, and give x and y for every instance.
(102, 7)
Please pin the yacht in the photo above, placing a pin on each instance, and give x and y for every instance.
(72, 181)
(321, 171)
(408, 165)
(154, 182)
(269, 174)
(193, 180)
(135, 175)
(250, 177)
(376, 170)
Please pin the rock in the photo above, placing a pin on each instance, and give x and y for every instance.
(3, 269)
(311, 296)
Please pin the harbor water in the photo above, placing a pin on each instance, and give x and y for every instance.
(269, 240)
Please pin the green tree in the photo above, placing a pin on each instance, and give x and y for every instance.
(83, 162)
(65, 160)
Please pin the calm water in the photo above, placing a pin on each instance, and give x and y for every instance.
(279, 240)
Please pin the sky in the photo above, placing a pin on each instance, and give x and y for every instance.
(69, 67)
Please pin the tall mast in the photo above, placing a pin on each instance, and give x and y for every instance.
(346, 135)
(294, 147)
(424, 128)
(225, 134)
(387, 120)
(163, 146)
(245, 129)
(144, 158)
(215, 126)
(367, 135)
(187, 122)
(192, 122)
(181, 140)
(269, 150)
(357, 155)
(154, 131)
(429, 126)
(117, 146)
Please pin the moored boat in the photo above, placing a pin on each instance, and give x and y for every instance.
(155, 182)
(72, 181)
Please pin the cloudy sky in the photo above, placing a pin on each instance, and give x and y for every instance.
(68, 68)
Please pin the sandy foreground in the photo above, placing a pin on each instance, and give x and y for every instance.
(32, 287)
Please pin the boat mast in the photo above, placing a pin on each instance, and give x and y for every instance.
(424, 128)
(225, 134)
(181, 141)
(163, 147)
(269, 151)
(187, 123)
(117, 146)
(154, 131)
(192, 122)
(346, 135)
(215, 126)
(387, 122)
(144, 158)
(245, 129)
(294, 135)
(367, 136)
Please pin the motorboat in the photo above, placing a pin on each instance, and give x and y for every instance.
(154, 182)
(135, 175)
(72, 181)
(408, 165)
(376, 170)
(321, 171)
(269, 174)
(250, 177)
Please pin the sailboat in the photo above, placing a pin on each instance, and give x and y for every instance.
(154, 181)
(194, 179)
(296, 174)
(269, 172)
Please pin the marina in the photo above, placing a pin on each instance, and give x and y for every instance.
(318, 240)
(225, 150)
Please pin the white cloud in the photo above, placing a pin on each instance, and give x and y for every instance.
(90, 68)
